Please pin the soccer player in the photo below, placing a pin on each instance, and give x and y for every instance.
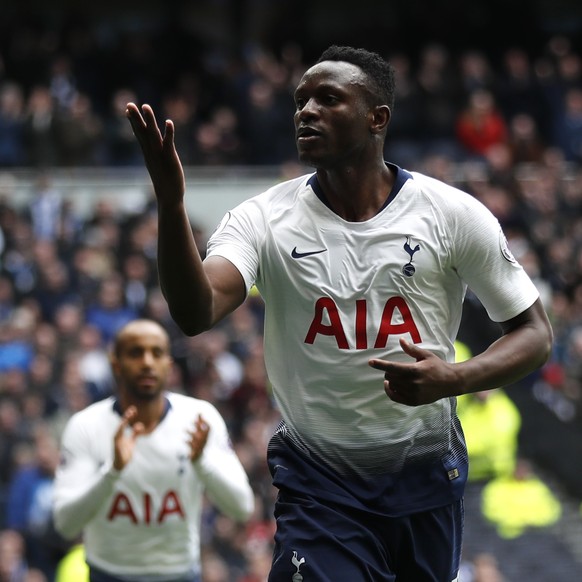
(363, 267)
(135, 466)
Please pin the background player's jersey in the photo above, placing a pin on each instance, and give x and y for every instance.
(143, 523)
(338, 293)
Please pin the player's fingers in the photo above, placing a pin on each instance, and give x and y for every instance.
(145, 126)
(168, 139)
(126, 419)
(391, 392)
(393, 370)
(382, 365)
(136, 120)
(198, 437)
(138, 429)
(397, 395)
(413, 350)
(201, 424)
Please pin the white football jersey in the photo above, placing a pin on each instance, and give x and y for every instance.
(338, 293)
(143, 522)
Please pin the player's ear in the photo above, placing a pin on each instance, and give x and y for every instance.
(380, 118)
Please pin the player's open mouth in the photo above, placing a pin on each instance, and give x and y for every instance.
(307, 134)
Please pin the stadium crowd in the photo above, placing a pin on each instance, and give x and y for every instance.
(508, 132)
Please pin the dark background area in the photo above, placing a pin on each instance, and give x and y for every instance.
(491, 25)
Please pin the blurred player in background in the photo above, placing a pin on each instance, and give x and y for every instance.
(135, 466)
(363, 267)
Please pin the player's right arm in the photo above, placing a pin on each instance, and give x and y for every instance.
(82, 485)
(199, 294)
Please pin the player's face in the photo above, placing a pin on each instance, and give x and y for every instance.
(143, 362)
(332, 115)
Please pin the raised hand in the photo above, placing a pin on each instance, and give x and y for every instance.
(421, 382)
(159, 152)
(198, 438)
(124, 440)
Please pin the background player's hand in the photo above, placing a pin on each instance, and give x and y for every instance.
(159, 152)
(198, 438)
(124, 440)
(421, 382)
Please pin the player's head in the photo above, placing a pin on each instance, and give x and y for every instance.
(141, 359)
(343, 108)
(379, 72)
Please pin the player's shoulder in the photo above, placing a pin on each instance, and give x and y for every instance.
(450, 200)
(96, 414)
(188, 405)
(437, 188)
(99, 408)
(281, 194)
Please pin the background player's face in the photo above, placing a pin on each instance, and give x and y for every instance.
(142, 362)
(332, 116)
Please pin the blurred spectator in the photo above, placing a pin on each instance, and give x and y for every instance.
(525, 141)
(121, 148)
(406, 134)
(73, 567)
(72, 397)
(29, 509)
(568, 126)
(480, 126)
(53, 289)
(137, 280)
(520, 501)
(441, 99)
(217, 141)
(482, 568)
(45, 207)
(16, 350)
(13, 564)
(40, 128)
(182, 111)
(491, 424)
(62, 83)
(110, 312)
(213, 368)
(93, 362)
(476, 72)
(518, 90)
(11, 437)
(80, 133)
(18, 260)
(12, 147)
(7, 299)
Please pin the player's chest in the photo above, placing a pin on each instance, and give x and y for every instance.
(390, 256)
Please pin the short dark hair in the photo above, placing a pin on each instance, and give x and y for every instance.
(378, 70)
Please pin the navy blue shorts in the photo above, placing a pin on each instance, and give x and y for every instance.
(328, 530)
(321, 543)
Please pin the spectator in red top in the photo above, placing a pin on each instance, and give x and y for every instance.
(480, 125)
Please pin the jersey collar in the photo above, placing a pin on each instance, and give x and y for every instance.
(401, 177)
(167, 407)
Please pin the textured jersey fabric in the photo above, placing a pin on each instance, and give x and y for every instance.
(338, 293)
(143, 522)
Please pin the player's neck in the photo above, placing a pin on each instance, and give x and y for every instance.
(356, 195)
(149, 413)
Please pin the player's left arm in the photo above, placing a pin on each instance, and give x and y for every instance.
(524, 346)
(216, 463)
